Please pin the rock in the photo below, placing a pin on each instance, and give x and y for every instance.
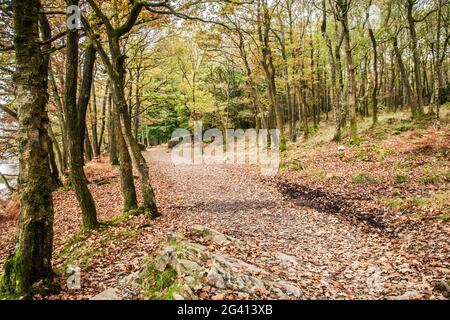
(177, 296)
(291, 289)
(130, 279)
(286, 258)
(215, 279)
(108, 294)
(341, 148)
(164, 258)
(210, 234)
(190, 281)
(188, 267)
(187, 293)
(174, 237)
(280, 294)
(196, 266)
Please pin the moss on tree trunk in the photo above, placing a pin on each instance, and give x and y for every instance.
(31, 261)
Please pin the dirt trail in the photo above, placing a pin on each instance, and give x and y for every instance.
(336, 257)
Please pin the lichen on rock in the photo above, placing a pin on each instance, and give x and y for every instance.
(180, 268)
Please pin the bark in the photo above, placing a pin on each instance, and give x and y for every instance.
(344, 7)
(334, 89)
(31, 260)
(266, 61)
(75, 124)
(60, 116)
(85, 92)
(438, 61)
(106, 98)
(137, 109)
(287, 85)
(57, 149)
(375, 74)
(124, 121)
(112, 148)
(415, 51)
(87, 146)
(409, 92)
(126, 168)
(46, 33)
(116, 71)
(94, 135)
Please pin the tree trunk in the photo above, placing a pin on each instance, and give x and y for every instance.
(286, 83)
(31, 260)
(410, 95)
(264, 27)
(375, 74)
(60, 116)
(416, 59)
(137, 109)
(112, 148)
(106, 98)
(75, 117)
(118, 84)
(126, 168)
(344, 8)
(335, 96)
(126, 131)
(94, 135)
(438, 63)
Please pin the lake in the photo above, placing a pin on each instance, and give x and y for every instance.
(10, 170)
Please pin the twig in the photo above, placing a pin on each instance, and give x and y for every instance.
(8, 186)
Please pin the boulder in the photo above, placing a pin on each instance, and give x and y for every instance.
(196, 267)
(210, 234)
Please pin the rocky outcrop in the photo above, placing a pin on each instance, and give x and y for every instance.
(193, 266)
(181, 269)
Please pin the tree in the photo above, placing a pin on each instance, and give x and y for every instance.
(342, 11)
(116, 71)
(375, 69)
(31, 260)
(264, 20)
(75, 121)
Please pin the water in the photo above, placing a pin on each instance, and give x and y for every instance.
(10, 171)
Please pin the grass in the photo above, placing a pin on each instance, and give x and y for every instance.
(371, 153)
(436, 203)
(159, 285)
(78, 252)
(127, 215)
(364, 178)
(8, 296)
(320, 174)
(400, 178)
(434, 177)
(394, 202)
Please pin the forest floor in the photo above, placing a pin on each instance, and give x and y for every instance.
(349, 214)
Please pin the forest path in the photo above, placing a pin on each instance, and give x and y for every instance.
(328, 256)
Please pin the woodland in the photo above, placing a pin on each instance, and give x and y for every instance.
(91, 92)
